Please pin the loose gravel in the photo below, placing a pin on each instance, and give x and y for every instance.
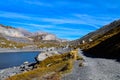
(94, 69)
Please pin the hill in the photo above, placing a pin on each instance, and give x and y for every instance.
(105, 42)
(13, 36)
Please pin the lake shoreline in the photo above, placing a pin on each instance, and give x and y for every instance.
(19, 50)
(7, 72)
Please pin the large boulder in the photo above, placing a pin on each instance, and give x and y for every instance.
(49, 37)
(43, 55)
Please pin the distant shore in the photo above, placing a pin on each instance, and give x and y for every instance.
(7, 50)
(19, 50)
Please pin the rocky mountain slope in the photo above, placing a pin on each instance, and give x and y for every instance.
(10, 35)
(105, 42)
(21, 33)
(109, 47)
(18, 33)
(25, 32)
(96, 34)
(9, 31)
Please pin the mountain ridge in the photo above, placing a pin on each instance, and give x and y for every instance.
(11, 37)
(22, 33)
(95, 34)
(104, 42)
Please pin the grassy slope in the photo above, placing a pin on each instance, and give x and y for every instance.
(49, 69)
(109, 48)
(37, 40)
(48, 44)
(106, 45)
(100, 38)
(4, 43)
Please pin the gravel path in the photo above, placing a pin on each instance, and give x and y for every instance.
(95, 69)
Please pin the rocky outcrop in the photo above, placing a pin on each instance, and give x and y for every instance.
(43, 55)
(49, 37)
(25, 32)
(46, 37)
(10, 32)
(6, 73)
(50, 52)
(20, 35)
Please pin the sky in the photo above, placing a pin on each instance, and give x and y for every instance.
(69, 19)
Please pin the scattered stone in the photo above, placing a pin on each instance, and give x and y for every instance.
(26, 62)
(6, 73)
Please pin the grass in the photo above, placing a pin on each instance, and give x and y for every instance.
(99, 38)
(51, 68)
(48, 44)
(4, 43)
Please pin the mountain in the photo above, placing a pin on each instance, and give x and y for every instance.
(104, 42)
(92, 36)
(22, 33)
(25, 32)
(11, 35)
(9, 31)
(96, 34)
(109, 48)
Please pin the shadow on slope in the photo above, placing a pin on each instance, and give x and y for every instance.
(110, 49)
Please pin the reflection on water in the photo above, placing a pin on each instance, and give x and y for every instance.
(15, 59)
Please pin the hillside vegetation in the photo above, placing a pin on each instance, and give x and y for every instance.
(4, 43)
(100, 38)
(52, 68)
(11, 37)
(108, 46)
(105, 41)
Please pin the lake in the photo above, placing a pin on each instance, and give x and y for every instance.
(16, 58)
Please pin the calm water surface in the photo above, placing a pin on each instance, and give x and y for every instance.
(16, 58)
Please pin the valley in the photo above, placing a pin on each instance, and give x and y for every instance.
(95, 56)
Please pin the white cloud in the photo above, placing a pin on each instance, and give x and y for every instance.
(13, 15)
(62, 21)
(34, 25)
(85, 19)
(70, 21)
(94, 20)
(38, 3)
(55, 29)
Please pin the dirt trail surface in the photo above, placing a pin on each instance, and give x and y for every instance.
(95, 69)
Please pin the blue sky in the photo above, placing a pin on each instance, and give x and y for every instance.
(70, 19)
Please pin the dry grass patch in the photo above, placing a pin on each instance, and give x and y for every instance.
(99, 38)
(57, 64)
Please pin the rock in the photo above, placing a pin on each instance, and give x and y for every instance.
(83, 41)
(12, 74)
(51, 49)
(26, 62)
(10, 32)
(26, 66)
(44, 55)
(5, 73)
(90, 40)
(49, 37)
